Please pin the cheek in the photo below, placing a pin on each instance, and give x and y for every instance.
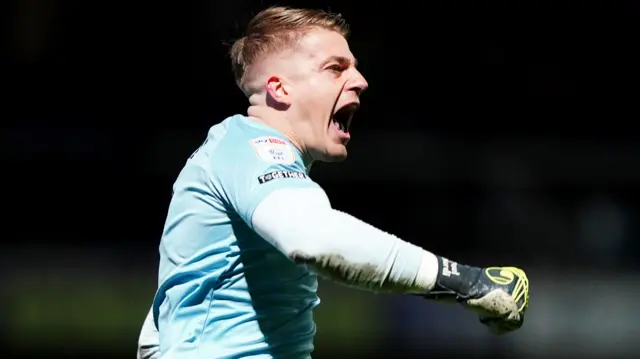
(321, 87)
(316, 97)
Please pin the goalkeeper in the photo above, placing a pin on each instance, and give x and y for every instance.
(248, 231)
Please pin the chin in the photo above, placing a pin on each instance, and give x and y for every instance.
(332, 152)
(336, 154)
(336, 158)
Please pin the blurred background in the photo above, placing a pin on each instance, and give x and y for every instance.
(494, 132)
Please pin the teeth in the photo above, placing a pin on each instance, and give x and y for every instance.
(341, 126)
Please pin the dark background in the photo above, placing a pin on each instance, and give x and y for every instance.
(494, 132)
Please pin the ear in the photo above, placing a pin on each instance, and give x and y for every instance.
(277, 90)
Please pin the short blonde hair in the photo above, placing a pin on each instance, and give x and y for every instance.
(277, 29)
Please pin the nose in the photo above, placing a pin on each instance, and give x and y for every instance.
(358, 83)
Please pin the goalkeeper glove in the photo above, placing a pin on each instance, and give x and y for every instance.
(500, 295)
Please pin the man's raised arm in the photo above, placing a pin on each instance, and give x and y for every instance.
(302, 224)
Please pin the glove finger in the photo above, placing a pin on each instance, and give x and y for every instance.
(496, 304)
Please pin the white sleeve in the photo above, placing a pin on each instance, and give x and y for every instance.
(301, 223)
(149, 341)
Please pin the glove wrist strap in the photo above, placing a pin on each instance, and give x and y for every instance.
(455, 278)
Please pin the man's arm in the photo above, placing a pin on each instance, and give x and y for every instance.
(336, 245)
(301, 223)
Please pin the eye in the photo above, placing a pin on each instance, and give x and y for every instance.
(336, 68)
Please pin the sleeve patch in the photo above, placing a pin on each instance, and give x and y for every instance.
(281, 174)
(273, 150)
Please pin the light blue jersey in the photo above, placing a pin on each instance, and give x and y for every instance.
(224, 292)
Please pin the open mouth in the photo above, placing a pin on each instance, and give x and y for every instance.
(344, 116)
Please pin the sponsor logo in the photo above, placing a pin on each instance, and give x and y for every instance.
(273, 150)
(449, 268)
(499, 275)
(281, 174)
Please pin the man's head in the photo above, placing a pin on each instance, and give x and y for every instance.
(296, 63)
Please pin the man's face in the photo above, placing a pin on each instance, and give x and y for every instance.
(323, 88)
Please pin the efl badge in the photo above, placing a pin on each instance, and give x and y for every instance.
(273, 150)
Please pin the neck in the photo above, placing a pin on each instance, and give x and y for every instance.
(279, 121)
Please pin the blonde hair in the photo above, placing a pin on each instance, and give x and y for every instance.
(277, 29)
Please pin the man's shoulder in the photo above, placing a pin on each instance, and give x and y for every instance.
(241, 141)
